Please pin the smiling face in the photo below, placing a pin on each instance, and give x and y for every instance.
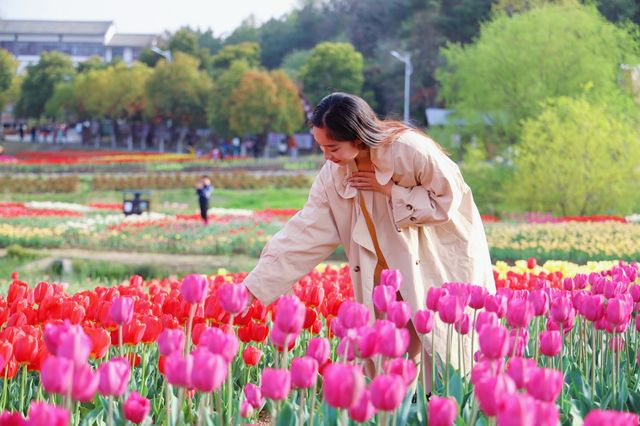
(340, 152)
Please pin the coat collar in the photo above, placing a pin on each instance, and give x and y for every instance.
(382, 159)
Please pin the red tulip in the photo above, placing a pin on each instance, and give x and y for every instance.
(100, 341)
(25, 348)
(251, 356)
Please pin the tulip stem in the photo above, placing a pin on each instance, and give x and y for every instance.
(433, 358)
(473, 335)
(313, 401)
(593, 362)
(5, 382)
(474, 413)
(446, 367)
(192, 312)
(167, 403)
(143, 389)
(301, 410)
(110, 411)
(24, 385)
(120, 340)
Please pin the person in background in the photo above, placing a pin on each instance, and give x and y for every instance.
(393, 199)
(204, 189)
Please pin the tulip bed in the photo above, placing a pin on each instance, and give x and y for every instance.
(556, 343)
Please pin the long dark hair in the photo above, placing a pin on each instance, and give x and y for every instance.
(348, 117)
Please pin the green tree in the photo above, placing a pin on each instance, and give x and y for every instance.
(62, 104)
(39, 83)
(289, 110)
(178, 91)
(8, 66)
(184, 40)
(246, 32)
(576, 158)
(332, 67)
(248, 52)
(294, 61)
(225, 83)
(149, 57)
(518, 62)
(93, 63)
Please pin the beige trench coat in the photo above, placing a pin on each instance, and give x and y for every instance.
(430, 229)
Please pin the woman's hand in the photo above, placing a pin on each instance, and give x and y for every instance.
(366, 181)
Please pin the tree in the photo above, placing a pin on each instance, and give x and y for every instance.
(277, 38)
(576, 158)
(8, 66)
(294, 61)
(225, 83)
(149, 57)
(332, 67)
(248, 52)
(178, 91)
(289, 108)
(247, 32)
(37, 86)
(518, 62)
(184, 40)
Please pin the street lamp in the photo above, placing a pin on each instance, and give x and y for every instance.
(408, 69)
(164, 53)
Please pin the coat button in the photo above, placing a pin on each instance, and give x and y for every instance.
(409, 207)
(417, 261)
(398, 229)
(356, 268)
(412, 219)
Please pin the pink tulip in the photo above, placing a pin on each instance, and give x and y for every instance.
(516, 410)
(399, 313)
(209, 372)
(450, 309)
(460, 290)
(304, 372)
(490, 391)
(486, 318)
(442, 411)
(392, 342)
(519, 313)
(494, 341)
(540, 301)
(343, 385)
(634, 290)
(290, 313)
(545, 384)
(367, 342)
(253, 394)
(12, 419)
(391, 278)
(547, 413)
(433, 297)
(319, 349)
(382, 296)
(477, 295)
(136, 408)
(496, 303)
(424, 321)
(363, 410)
(43, 414)
(550, 343)
(592, 307)
(114, 377)
(85, 383)
(463, 325)
(121, 310)
(486, 368)
(56, 375)
(233, 298)
(170, 341)
(179, 370)
(518, 339)
(276, 383)
(519, 370)
(282, 339)
(561, 308)
(403, 368)
(611, 418)
(246, 409)
(353, 315)
(618, 311)
(347, 344)
(75, 345)
(219, 342)
(387, 392)
(194, 288)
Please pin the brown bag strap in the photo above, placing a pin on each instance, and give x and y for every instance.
(382, 262)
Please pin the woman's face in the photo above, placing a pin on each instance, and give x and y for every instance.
(340, 152)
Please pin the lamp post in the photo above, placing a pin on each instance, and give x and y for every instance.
(408, 69)
(164, 53)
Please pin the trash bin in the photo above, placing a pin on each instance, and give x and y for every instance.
(136, 201)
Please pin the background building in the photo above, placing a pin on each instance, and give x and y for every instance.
(26, 39)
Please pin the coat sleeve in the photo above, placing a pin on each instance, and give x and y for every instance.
(436, 196)
(307, 239)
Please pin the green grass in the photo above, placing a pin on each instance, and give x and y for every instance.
(227, 198)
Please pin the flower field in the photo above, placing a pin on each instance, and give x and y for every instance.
(103, 227)
(556, 344)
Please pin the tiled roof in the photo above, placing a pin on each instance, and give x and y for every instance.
(132, 40)
(17, 26)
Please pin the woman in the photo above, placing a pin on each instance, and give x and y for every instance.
(393, 199)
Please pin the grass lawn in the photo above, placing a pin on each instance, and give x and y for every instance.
(238, 199)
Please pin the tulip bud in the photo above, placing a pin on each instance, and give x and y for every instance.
(136, 408)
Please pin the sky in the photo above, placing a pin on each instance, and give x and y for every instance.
(150, 16)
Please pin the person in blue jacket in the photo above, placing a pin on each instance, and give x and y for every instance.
(204, 189)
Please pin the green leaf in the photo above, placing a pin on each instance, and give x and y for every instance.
(286, 415)
(455, 387)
